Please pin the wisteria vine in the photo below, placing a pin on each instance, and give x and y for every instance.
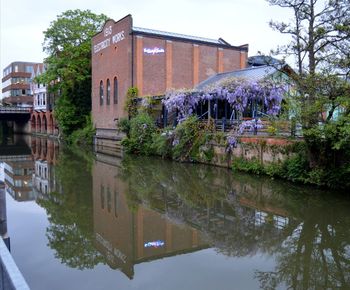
(239, 93)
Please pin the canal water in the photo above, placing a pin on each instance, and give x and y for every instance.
(79, 220)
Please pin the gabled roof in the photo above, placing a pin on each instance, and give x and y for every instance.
(172, 35)
(251, 73)
(178, 35)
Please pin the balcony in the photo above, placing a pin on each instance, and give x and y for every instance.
(43, 108)
(15, 100)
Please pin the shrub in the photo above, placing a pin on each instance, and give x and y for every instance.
(162, 143)
(124, 126)
(189, 136)
(295, 168)
(83, 136)
(141, 130)
(131, 102)
(251, 166)
(274, 169)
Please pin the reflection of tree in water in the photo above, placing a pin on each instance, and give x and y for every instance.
(238, 214)
(312, 247)
(70, 213)
(317, 254)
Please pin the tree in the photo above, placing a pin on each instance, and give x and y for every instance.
(320, 33)
(68, 45)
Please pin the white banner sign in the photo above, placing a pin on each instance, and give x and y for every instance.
(153, 51)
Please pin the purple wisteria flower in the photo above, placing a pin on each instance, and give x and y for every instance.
(175, 142)
(231, 143)
(250, 125)
(239, 93)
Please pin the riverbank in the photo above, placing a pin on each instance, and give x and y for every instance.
(193, 141)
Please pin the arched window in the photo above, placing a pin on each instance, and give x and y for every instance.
(108, 92)
(115, 91)
(101, 93)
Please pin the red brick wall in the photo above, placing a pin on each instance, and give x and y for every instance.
(207, 62)
(182, 65)
(107, 63)
(154, 69)
(231, 60)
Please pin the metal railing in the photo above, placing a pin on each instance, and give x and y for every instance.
(14, 109)
(10, 276)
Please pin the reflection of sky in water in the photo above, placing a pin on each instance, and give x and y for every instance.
(2, 175)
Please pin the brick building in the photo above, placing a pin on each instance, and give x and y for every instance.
(42, 118)
(125, 56)
(16, 84)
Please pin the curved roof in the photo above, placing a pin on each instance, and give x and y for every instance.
(252, 73)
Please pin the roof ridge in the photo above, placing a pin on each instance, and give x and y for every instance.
(175, 34)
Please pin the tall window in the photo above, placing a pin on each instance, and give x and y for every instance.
(108, 92)
(101, 93)
(115, 91)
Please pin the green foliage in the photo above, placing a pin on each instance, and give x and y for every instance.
(295, 169)
(131, 103)
(162, 143)
(124, 126)
(70, 231)
(251, 166)
(68, 66)
(271, 130)
(85, 135)
(66, 115)
(190, 135)
(148, 104)
(141, 130)
(320, 40)
(273, 169)
(190, 141)
(220, 138)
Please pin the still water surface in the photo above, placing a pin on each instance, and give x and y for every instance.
(80, 220)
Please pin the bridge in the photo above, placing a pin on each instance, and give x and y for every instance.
(14, 113)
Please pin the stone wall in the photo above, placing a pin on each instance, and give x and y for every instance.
(266, 149)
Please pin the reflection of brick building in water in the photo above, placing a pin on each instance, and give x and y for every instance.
(17, 167)
(45, 149)
(18, 178)
(126, 238)
(28, 167)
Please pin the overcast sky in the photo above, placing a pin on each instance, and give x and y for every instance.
(236, 21)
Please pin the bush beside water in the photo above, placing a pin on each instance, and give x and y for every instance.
(193, 141)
